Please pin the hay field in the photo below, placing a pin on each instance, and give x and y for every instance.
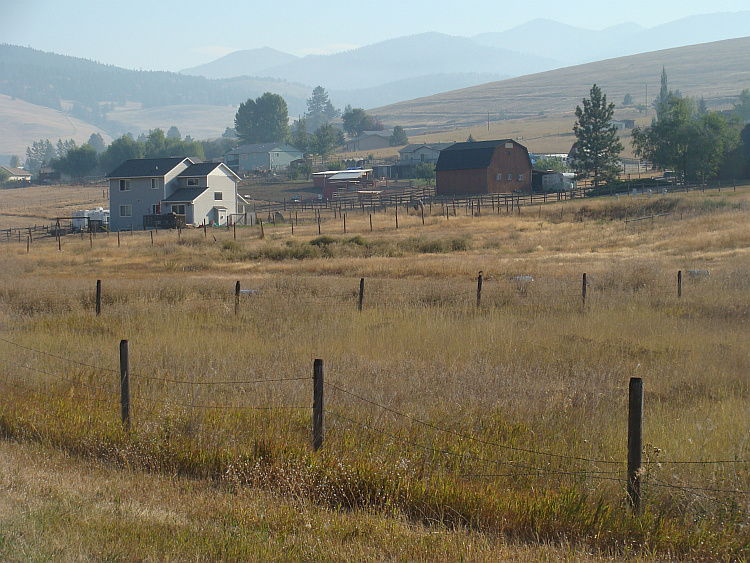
(452, 431)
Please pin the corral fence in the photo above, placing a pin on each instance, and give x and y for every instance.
(421, 200)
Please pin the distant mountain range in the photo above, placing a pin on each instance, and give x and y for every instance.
(447, 62)
(201, 101)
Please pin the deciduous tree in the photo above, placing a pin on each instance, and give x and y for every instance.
(263, 120)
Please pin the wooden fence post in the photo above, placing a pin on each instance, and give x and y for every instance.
(317, 418)
(98, 297)
(152, 238)
(361, 293)
(237, 298)
(262, 231)
(479, 289)
(118, 239)
(396, 207)
(318, 222)
(125, 383)
(635, 442)
(344, 216)
(583, 290)
(370, 222)
(679, 284)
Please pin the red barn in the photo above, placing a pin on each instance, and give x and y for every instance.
(483, 167)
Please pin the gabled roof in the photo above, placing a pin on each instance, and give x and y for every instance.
(201, 169)
(17, 171)
(366, 134)
(469, 156)
(434, 146)
(147, 167)
(186, 195)
(264, 148)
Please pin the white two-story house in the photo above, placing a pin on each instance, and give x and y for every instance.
(141, 191)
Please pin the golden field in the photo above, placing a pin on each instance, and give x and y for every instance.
(453, 432)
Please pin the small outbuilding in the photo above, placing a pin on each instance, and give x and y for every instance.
(483, 167)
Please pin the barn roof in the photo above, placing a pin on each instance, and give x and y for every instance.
(468, 156)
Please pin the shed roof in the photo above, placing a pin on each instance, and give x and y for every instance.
(147, 167)
(469, 156)
(349, 175)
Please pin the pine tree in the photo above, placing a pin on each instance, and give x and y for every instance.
(597, 147)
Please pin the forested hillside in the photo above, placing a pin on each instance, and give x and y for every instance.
(94, 89)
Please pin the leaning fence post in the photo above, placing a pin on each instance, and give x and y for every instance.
(361, 293)
(583, 290)
(635, 442)
(679, 283)
(125, 383)
(479, 289)
(317, 419)
(237, 298)
(98, 297)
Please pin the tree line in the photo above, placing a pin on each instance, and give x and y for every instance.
(684, 136)
(266, 120)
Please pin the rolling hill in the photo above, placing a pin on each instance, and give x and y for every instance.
(716, 71)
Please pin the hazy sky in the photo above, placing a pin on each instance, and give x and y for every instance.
(167, 35)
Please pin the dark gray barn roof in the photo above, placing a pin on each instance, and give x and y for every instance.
(468, 156)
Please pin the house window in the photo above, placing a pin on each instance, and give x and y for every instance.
(124, 185)
(154, 183)
(499, 178)
(155, 209)
(178, 209)
(520, 177)
(218, 196)
(126, 211)
(510, 177)
(192, 181)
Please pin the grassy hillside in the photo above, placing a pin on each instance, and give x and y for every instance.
(717, 71)
(23, 123)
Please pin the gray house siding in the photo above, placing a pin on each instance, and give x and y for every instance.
(141, 198)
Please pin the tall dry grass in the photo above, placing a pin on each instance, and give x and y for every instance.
(509, 419)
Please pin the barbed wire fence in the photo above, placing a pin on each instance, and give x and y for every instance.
(464, 454)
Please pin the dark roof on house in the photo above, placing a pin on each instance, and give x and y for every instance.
(469, 156)
(146, 167)
(16, 171)
(434, 146)
(186, 195)
(263, 148)
(201, 169)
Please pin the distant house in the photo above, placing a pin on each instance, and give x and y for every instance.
(17, 174)
(369, 140)
(159, 191)
(263, 157)
(622, 124)
(483, 167)
(424, 152)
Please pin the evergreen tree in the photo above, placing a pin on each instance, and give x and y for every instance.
(320, 110)
(597, 147)
(742, 110)
(398, 137)
(174, 133)
(660, 103)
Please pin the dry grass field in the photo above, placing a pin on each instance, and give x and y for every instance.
(453, 432)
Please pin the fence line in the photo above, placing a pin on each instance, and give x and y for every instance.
(530, 469)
